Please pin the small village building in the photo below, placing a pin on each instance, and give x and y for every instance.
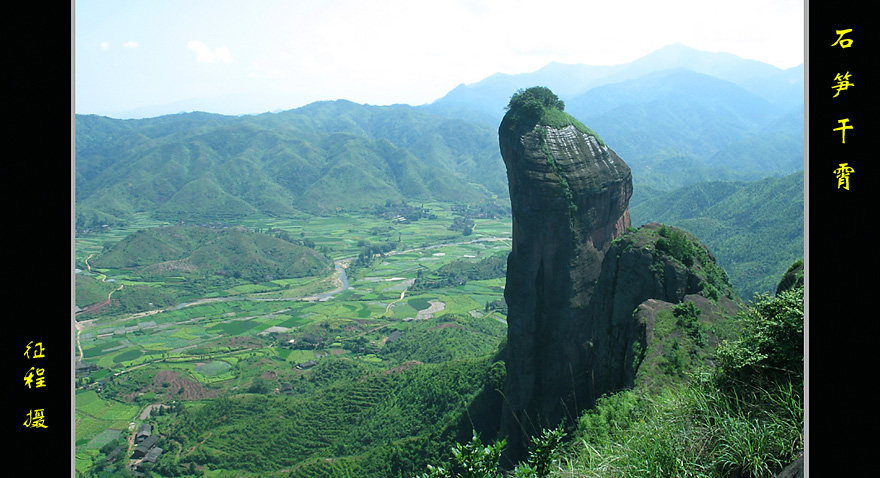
(306, 365)
(84, 368)
(151, 457)
(144, 432)
(144, 447)
(112, 454)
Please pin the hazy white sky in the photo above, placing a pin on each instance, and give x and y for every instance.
(285, 54)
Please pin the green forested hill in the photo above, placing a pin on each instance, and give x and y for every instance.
(371, 423)
(755, 229)
(204, 251)
(317, 159)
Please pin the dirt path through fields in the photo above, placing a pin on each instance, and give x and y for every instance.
(388, 308)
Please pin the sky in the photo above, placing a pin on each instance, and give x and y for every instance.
(147, 57)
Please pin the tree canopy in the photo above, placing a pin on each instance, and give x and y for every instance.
(539, 105)
(529, 103)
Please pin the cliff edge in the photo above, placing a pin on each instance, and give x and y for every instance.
(569, 197)
(577, 271)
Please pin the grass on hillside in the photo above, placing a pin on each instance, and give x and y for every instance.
(744, 418)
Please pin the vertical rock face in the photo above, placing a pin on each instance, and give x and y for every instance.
(569, 197)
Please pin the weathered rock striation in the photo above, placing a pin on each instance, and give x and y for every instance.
(569, 198)
(577, 272)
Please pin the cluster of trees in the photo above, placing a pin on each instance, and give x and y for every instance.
(394, 211)
(678, 244)
(528, 105)
(369, 251)
(500, 305)
(459, 272)
(482, 211)
(302, 241)
(464, 225)
(675, 243)
(446, 338)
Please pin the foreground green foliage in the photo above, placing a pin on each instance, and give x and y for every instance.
(695, 431)
(744, 419)
(361, 422)
(476, 460)
(772, 348)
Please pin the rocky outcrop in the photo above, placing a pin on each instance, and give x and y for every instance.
(641, 275)
(793, 277)
(794, 470)
(569, 196)
(574, 277)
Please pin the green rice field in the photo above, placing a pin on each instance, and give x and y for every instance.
(263, 337)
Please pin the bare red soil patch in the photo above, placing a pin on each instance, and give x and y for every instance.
(402, 367)
(173, 385)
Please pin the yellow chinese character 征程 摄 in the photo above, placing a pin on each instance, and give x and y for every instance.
(842, 174)
(36, 419)
(842, 83)
(40, 379)
(38, 350)
(844, 42)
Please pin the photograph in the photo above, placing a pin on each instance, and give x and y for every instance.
(446, 239)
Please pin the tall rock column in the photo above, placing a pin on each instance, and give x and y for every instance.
(569, 195)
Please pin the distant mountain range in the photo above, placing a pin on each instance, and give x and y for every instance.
(677, 116)
(782, 88)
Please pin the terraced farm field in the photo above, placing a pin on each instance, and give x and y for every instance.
(400, 308)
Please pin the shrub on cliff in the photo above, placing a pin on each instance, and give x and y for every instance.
(530, 102)
(676, 244)
(772, 347)
(477, 460)
(539, 105)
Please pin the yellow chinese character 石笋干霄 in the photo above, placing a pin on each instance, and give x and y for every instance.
(844, 42)
(842, 174)
(843, 127)
(842, 83)
(36, 419)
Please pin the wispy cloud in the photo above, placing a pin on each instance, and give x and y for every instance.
(205, 54)
(130, 44)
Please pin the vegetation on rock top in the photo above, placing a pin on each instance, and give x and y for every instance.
(540, 106)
